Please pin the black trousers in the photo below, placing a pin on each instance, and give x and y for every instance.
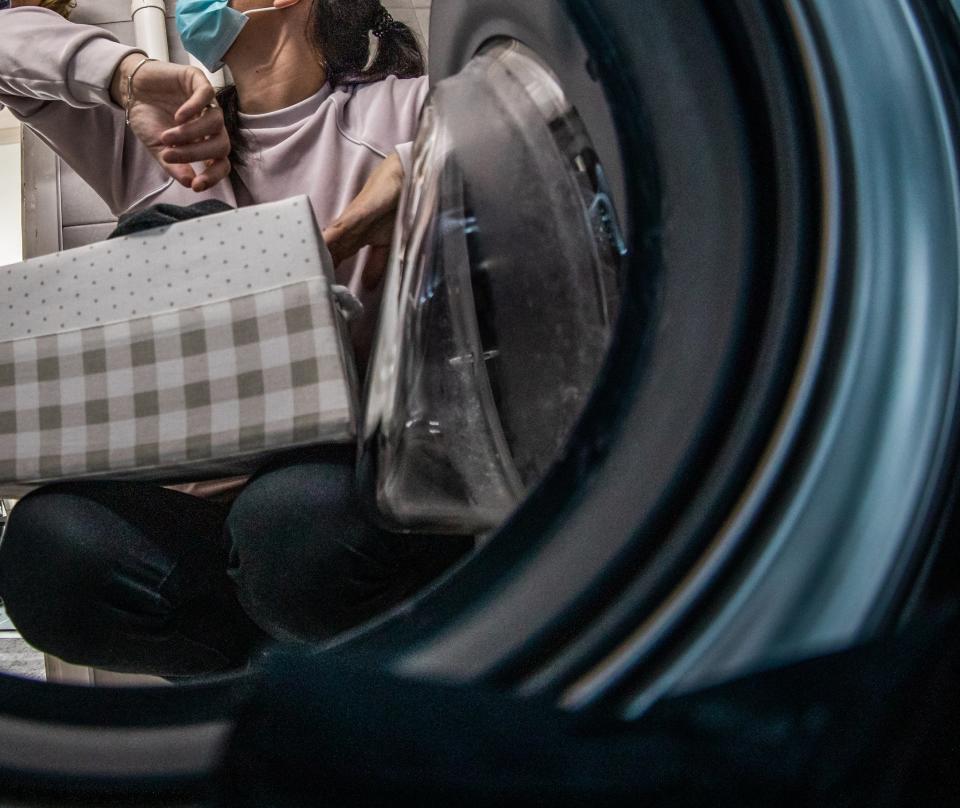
(133, 577)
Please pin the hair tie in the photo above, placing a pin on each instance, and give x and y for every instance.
(383, 24)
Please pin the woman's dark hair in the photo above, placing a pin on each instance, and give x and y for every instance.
(340, 31)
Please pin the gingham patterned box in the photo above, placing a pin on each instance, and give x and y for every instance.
(174, 355)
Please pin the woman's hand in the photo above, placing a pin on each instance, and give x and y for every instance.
(173, 115)
(368, 220)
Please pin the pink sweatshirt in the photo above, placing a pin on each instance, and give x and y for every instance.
(55, 77)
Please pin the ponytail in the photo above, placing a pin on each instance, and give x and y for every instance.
(398, 52)
(229, 100)
(341, 30)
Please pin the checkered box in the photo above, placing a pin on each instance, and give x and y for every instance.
(181, 354)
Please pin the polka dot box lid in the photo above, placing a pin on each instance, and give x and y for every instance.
(187, 352)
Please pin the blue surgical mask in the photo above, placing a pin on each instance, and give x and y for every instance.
(209, 27)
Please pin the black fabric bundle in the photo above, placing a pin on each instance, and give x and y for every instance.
(164, 215)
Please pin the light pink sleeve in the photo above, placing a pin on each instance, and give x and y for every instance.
(387, 114)
(55, 77)
(405, 153)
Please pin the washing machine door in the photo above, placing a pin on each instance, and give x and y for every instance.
(725, 239)
(501, 298)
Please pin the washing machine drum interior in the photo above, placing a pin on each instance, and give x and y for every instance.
(671, 321)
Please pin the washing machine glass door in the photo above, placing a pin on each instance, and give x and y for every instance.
(500, 301)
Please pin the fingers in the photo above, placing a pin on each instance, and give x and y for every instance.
(359, 226)
(202, 95)
(200, 137)
(206, 125)
(214, 172)
(213, 148)
(184, 174)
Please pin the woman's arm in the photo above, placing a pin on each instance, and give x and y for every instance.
(368, 220)
(173, 112)
(44, 59)
(386, 114)
(67, 82)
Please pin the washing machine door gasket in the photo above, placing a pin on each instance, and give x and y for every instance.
(804, 247)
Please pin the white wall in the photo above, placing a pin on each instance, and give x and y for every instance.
(11, 249)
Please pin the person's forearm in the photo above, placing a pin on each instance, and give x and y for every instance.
(45, 58)
(56, 77)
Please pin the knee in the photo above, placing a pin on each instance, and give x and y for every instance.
(305, 561)
(288, 502)
(40, 540)
(46, 563)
